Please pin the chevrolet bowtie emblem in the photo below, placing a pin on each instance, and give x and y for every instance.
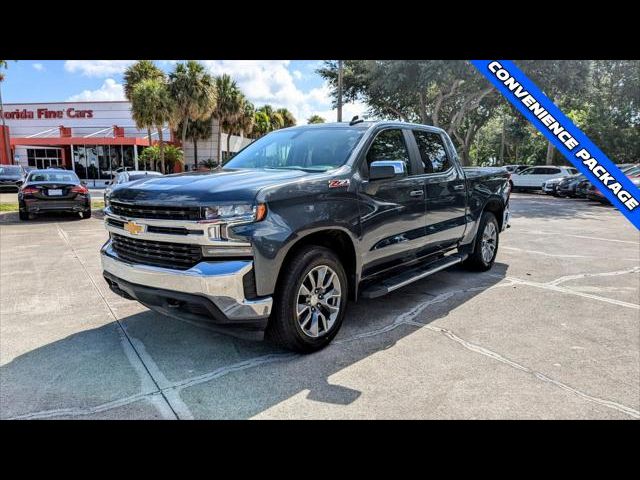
(133, 228)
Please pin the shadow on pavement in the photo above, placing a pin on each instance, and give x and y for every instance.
(216, 375)
(11, 218)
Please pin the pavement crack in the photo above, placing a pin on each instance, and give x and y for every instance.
(170, 390)
(540, 376)
(579, 276)
(408, 316)
(126, 342)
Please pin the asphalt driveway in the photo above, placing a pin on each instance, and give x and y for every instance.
(553, 331)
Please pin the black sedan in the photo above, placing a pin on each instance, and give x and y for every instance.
(11, 177)
(582, 188)
(53, 190)
(567, 186)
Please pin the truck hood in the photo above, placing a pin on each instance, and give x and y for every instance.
(201, 188)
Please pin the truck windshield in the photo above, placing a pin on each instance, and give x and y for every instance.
(310, 149)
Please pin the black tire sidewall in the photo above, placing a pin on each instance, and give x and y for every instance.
(304, 261)
(486, 217)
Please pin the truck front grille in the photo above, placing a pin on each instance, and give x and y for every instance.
(158, 254)
(159, 211)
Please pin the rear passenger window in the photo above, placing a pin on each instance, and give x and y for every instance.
(389, 145)
(552, 171)
(432, 152)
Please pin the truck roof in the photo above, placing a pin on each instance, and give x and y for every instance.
(366, 124)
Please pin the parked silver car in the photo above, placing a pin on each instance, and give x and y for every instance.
(127, 176)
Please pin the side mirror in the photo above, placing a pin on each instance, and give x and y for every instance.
(83, 183)
(382, 169)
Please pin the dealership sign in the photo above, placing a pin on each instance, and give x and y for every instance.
(567, 138)
(46, 114)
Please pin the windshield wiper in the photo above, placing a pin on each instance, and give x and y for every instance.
(295, 167)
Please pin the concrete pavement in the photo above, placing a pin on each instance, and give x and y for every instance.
(553, 331)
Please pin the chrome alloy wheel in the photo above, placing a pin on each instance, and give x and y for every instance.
(489, 241)
(318, 301)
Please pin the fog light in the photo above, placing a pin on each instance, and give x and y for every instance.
(230, 251)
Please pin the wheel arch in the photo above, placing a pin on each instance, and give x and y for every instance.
(496, 206)
(335, 239)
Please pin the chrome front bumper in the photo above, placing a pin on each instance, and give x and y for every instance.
(220, 282)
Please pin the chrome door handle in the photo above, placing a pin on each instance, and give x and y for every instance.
(458, 187)
(416, 193)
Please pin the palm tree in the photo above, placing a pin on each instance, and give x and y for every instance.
(261, 123)
(287, 116)
(134, 74)
(193, 92)
(197, 130)
(247, 118)
(242, 123)
(228, 106)
(173, 155)
(315, 119)
(152, 106)
(275, 119)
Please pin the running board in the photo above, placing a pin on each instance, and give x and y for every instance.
(405, 278)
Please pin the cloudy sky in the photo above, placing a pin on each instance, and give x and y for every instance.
(281, 83)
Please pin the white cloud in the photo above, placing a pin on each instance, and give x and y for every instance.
(349, 110)
(38, 66)
(272, 82)
(110, 90)
(263, 82)
(97, 68)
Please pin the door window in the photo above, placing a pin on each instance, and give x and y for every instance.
(389, 145)
(432, 152)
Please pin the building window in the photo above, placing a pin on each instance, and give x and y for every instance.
(44, 157)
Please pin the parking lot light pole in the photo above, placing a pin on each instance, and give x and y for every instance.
(339, 90)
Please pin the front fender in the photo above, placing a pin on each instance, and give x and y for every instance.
(288, 222)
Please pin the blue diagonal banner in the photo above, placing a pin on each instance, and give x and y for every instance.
(566, 137)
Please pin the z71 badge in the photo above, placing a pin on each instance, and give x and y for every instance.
(338, 183)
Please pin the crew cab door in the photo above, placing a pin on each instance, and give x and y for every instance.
(392, 210)
(445, 188)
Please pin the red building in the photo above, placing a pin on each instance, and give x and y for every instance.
(92, 138)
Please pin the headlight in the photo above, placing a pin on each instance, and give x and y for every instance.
(236, 212)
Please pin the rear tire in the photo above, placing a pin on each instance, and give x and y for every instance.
(485, 244)
(321, 309)
(86, 214)
(23, 215)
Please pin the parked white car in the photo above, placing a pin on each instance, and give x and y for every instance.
(534, 177)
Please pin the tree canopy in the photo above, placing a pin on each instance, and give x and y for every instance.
(602, 95)
(315, 119)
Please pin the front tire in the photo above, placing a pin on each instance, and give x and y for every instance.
(485, 244)
(310, 301)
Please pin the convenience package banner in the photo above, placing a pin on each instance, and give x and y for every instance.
(567, 138)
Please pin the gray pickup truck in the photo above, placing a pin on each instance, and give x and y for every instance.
(299, 222)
